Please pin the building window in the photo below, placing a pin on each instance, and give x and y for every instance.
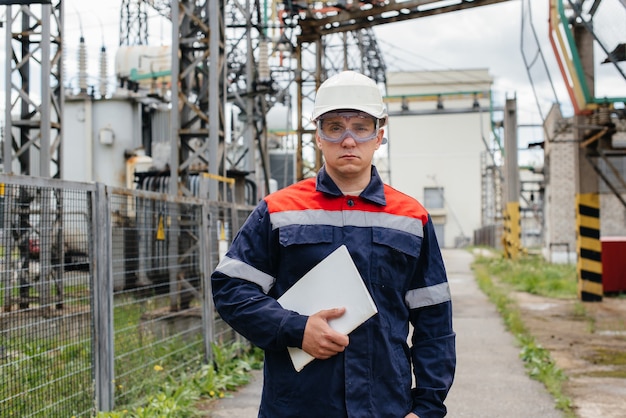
(433, 197)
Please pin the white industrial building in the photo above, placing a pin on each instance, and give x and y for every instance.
(440, 122)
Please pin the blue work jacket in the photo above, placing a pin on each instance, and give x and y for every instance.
(391, 239)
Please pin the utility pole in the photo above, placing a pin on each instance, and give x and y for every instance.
(588, 245)
(512, 221)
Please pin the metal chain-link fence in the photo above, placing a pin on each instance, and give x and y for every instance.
(102, 288)
(46, 330)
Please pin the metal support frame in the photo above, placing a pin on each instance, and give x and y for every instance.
(211, 34)
(249, 95)
(335, 19)
(308, 81)
(197, 119)
(32, 136)
(133, 22)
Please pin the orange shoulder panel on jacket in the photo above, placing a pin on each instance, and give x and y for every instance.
(402, 204)
(302, 196)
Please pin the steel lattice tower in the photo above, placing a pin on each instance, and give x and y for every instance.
(133, 22)
(34, 93)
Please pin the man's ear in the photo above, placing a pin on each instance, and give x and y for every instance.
(380, 139)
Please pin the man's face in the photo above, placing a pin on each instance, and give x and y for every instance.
(348, 140)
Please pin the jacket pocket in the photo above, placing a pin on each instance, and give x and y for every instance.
(305, 234)
(394, 257)
(301, 248)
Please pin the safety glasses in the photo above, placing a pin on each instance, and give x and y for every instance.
(333, 126)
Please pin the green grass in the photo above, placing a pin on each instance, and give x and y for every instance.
(165, 376)
(155, 377)
(45, 367)
(533, 275)
(175, 394)
(47, 364)
(538, 277)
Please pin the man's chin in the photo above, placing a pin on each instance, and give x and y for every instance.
(347, 169)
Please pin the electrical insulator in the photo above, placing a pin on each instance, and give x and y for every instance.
(82, 66)
(103, 72)
(264, 66)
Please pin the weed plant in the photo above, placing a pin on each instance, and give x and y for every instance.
(160, 373)
(175, 394)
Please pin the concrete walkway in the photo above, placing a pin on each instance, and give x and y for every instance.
(490, 381)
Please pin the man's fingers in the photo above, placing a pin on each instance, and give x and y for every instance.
(338, 342)
(332, 313)
(320, 340)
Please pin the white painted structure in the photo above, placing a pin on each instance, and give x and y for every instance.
(435, 154)
(98, 139)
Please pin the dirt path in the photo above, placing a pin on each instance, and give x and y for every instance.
(588, 342)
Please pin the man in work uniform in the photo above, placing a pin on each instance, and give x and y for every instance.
(391, 239)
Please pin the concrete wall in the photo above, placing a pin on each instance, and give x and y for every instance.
(560, 206)
(612, 216)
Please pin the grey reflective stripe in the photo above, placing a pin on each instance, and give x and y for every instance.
(347, 218)
(428, 296)
(306, 217)
(241, 270)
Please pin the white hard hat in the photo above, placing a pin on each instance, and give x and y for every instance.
(350, 90)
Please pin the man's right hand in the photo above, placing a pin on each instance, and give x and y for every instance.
(320, 340)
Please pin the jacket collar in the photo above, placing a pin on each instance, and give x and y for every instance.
(374, 191)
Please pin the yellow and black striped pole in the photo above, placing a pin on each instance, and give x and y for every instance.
(512, 238)
(589, 248)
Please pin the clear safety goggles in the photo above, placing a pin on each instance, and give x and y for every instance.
(333, 126)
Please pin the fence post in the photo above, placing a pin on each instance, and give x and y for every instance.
(7, 245)
(103, 299)
(173, 237)
(206, 266)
